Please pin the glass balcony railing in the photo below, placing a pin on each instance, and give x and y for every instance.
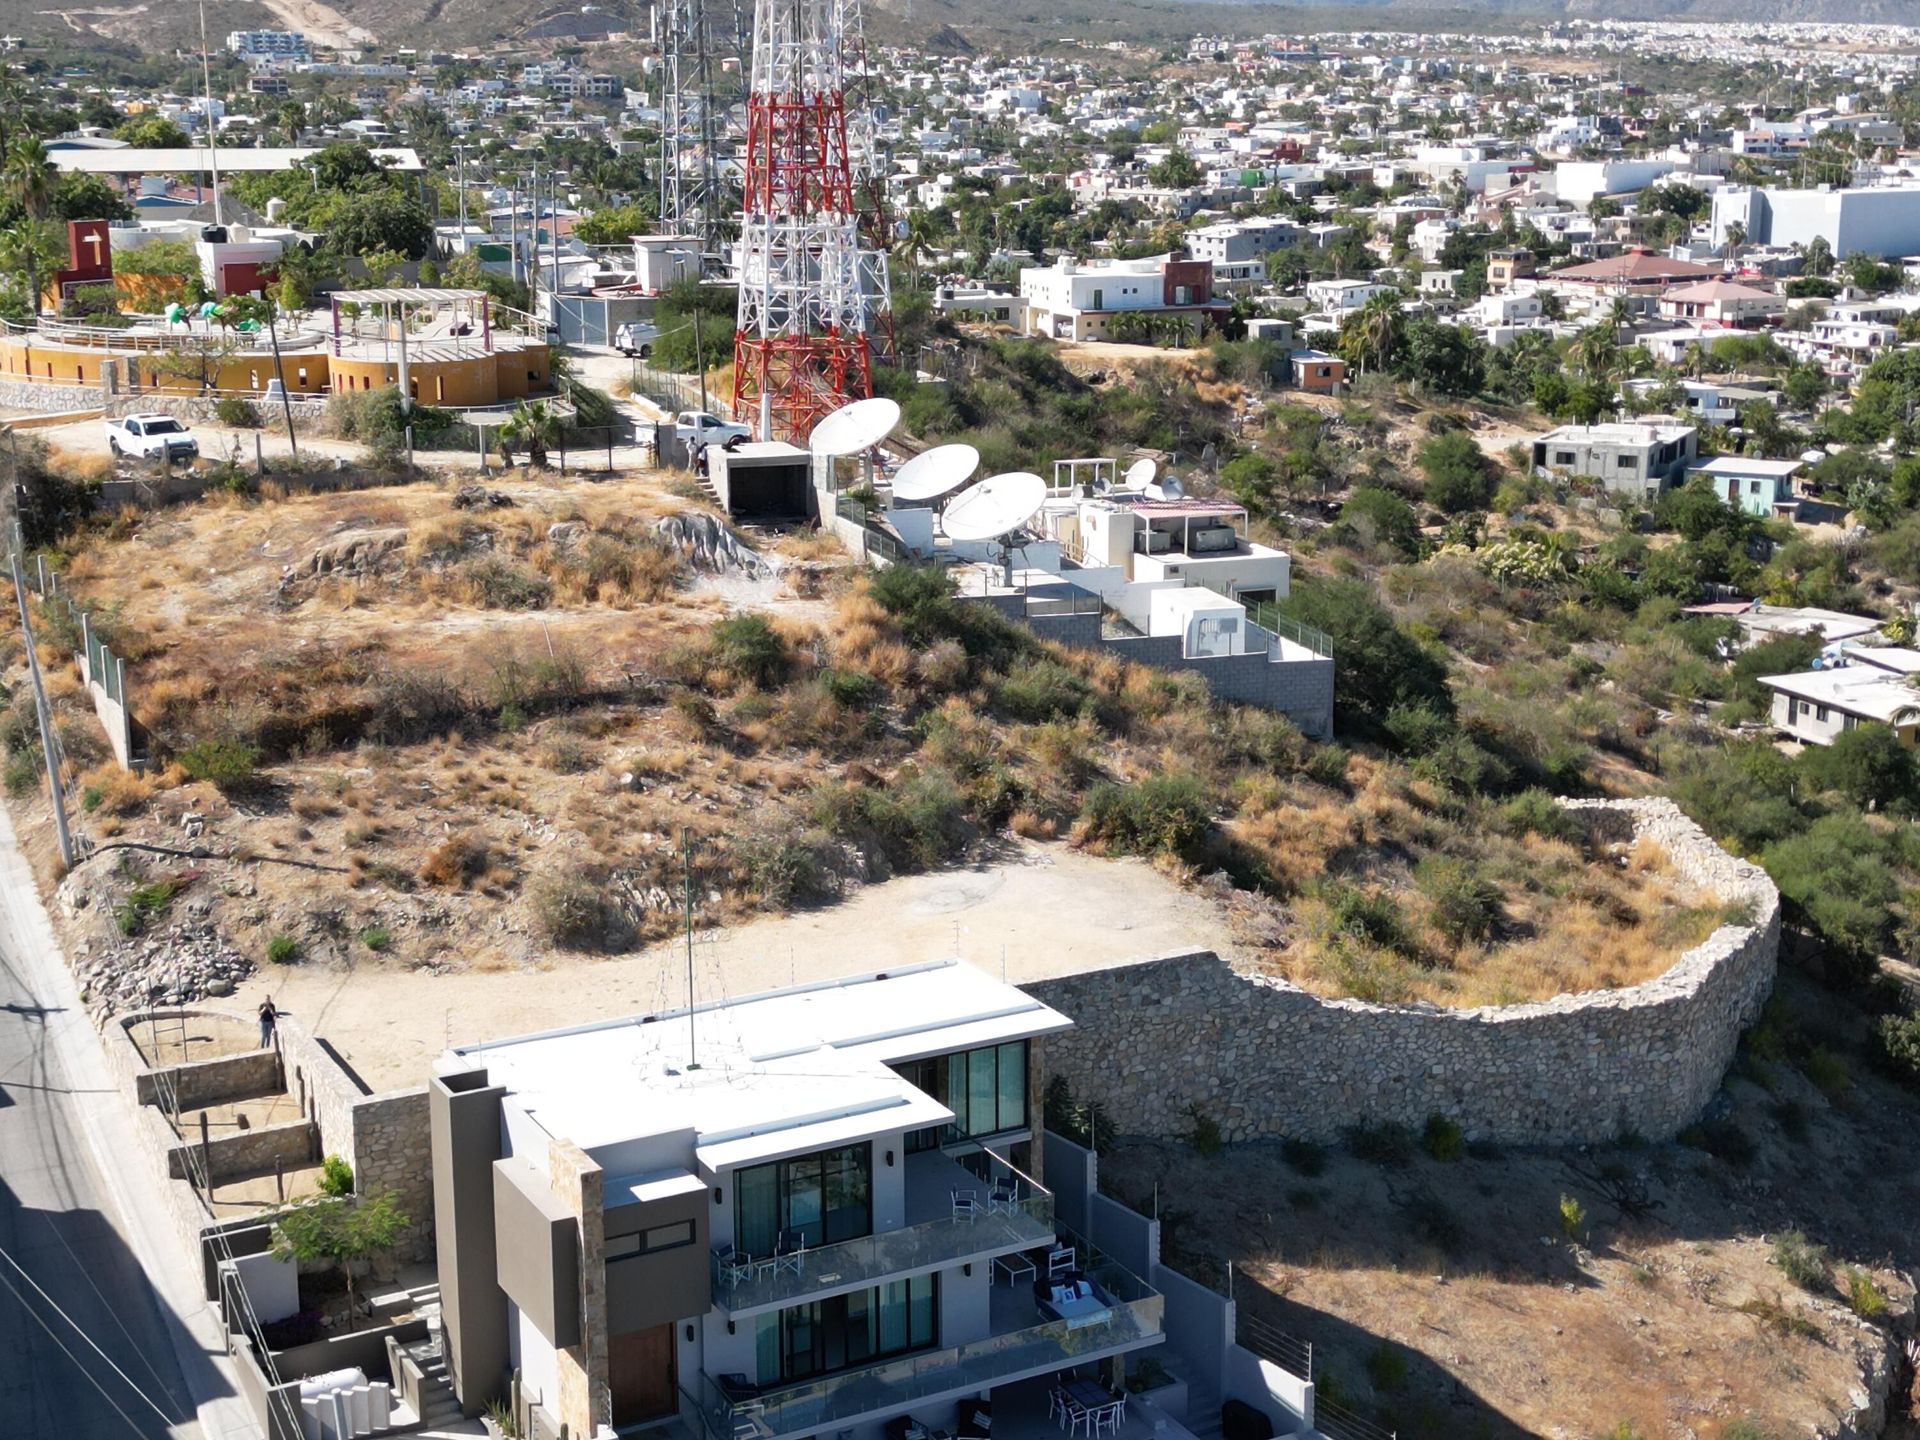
(1133, 1313)
(998, 1227)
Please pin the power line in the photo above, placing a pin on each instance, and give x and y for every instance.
(75, 1359)
(79, 1330)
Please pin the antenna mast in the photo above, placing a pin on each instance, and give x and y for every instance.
(213, 149)
(686, 874)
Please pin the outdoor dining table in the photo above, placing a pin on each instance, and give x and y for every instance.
(1088, 1394)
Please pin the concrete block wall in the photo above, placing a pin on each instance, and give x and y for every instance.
(1160, 1041)
(245, 1152)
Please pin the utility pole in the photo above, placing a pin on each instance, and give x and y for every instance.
(460, 183)
(686, 875)
(213, 148)
(286, 400)
(45, 717)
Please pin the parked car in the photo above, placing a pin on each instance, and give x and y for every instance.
(150, 437)
(636, 337)
(698, 427)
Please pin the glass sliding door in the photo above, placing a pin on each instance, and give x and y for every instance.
(844, 1332)
(826, 1196)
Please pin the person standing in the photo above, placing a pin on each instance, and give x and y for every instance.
(268, 1017)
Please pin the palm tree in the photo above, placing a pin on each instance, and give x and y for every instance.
(292, 119)
(1736, 236)
(1597, 351)
(916, 244)
(32, 248)
(1372, 335)
(29, 177)
(533, 427)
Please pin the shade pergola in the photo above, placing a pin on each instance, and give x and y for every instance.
(395, 301)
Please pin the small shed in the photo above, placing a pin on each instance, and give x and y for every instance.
(762, 480)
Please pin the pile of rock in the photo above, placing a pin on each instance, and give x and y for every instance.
(178, 965)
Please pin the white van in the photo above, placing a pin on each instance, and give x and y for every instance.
(636, 337)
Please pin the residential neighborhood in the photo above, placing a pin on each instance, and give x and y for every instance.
(925, 723)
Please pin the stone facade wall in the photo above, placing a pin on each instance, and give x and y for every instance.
(246, 1152)
(201, 1083)
(308, 415)
(1159, 1041)
(385, 1138)
(584, 1399)
(48, 398)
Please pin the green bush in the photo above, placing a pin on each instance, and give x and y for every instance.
(1899, 1037)
(1537, 812)
(145, 904)
(790, 867)
(916, 823)
(1828, 1072)
(1036, 690)
(1380, 665)
(920, 597)
(1168, 813)
(750, 649)
(854, 689)
(376, 938)
(237, 411)
(1443, 1140)
(1836, 874)
(572, 910)
(1869, 765)
(1465, 904)
(1375, 919)
(282, 950)
(1865, 1297)
(25, 770)
(1457, 475)
(1573, 1219)
(1383, 1144)
(1801, 1261)
(1204, 1136)
(336, 1177)
(226, 763)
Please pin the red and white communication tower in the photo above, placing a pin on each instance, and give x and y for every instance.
(800, 348)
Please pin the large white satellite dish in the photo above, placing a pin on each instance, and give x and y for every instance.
(1139, 475)
(997, 506)
(935, 472)
(855, 428)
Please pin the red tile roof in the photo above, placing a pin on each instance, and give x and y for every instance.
(1635, 267)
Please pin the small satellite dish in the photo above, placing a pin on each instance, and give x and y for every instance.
(1168, 488)
(1139, 475)
(855, 428)
(1103, 486)
(935, 472)
(997, 506)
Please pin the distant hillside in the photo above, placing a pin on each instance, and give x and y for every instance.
(949, 25)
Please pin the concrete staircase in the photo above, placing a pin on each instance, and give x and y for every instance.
(441, 1415)
(1203, 1412)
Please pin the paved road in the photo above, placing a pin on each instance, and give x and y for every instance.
(53, 1225)
(98, 1244)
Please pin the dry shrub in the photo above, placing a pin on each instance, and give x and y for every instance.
(1296, 845)
(456, 862)
(1030, 826)
(1649, 857)
(942, 666)
(108, 790)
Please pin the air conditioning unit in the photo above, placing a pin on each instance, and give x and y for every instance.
(1156, 542)
(1212, 540)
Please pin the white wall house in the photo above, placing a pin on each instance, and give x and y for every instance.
(808, 1212)
(1820, 705)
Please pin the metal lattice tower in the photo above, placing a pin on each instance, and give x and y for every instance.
(800, 347)
(693, 122)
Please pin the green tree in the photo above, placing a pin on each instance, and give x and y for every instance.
(1370, 337)
(533, 427)
(151, 132)
(88, 197)
(1375, 515)
(1379, 665)
(1444, 359)
(613, 224)
(1836, 876)
(1818, 261)
(35, 249)
(1176, 171)
(1869, 765)
(379, 220)
(342, 1231)
(1456, 473)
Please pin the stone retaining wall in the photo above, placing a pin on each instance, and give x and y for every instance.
(1160, 1041)
(244, 1152)
(47, 398)
(383, 1137)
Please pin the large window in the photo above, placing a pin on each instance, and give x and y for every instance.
(986, 1089)
(827, 1197)
(844, 1331)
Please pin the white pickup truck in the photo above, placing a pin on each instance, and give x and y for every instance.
(697, 426)
(151, 437)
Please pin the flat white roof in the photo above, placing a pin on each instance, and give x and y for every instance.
(193, 159)
(1618, 433)
(1894, 658)
(1829, 625)
(1856, 690)
(1742, 466)
(778, 1074)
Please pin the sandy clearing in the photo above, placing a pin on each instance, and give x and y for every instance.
(1047, 909)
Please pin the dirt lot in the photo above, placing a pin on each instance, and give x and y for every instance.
(1043, 909)
(1447, 1298)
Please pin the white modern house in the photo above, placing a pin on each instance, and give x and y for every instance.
(1071, 301)
(808, 1212)
(1640, 458)
(1818, 706)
